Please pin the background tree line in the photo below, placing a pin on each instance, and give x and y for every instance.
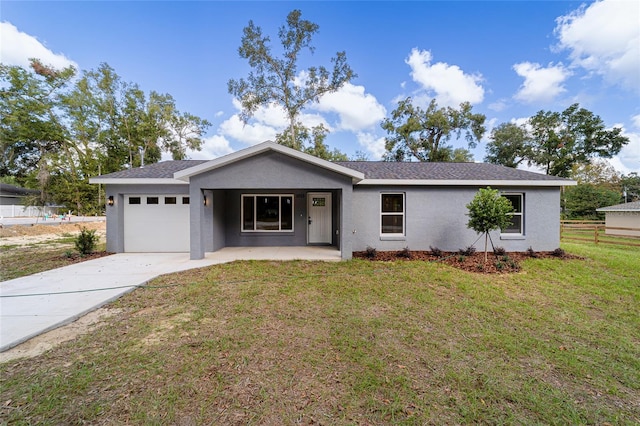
(58, 128)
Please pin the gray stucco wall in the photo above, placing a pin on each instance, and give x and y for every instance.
(436, 216)
(115, 213)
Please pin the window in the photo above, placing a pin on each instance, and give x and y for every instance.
(152, 200)
(185, 200)
(134, 200)
(266, 212)
(392, 214)
(517, 217)
(170, 200)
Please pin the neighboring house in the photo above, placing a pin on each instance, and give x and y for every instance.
(625, 215)
(271, 195)
(14, 195)
(12, 201)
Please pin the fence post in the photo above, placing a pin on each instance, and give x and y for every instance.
(596, 233)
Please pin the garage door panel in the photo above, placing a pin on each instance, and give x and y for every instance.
(156, 223)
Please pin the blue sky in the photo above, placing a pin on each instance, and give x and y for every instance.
(509, 59)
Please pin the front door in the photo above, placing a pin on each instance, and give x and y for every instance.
(319, 217)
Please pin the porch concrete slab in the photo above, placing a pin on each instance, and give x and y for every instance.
(34, 304)
(324, 253)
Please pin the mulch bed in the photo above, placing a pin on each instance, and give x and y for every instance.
(474, 262)
(75, 257)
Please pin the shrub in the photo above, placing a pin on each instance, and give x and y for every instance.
(499, 251)
(468, 251)
(558, 252)
(435, 251)
(86, 241)
(371, 252)
(405, 252)
(514, 265)
(531, 252)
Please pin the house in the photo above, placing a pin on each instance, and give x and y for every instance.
(626, 215)
(271, 195)
(13, 200)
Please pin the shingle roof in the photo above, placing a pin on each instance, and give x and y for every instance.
(162, 170)
(371, 170)
(8, 189)
(442, 171)
(625, 207)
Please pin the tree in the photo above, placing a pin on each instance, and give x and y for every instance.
(556, 141)
(32, 131)
(597, 172)
(277, 80)
(457, 155)
(311, 142)
(488, 211)
(58, 129)
(30, 125)
(423, 134)
(508, 146)
(630, 186)
(581, 201)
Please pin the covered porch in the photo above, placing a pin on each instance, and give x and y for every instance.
(291, 218)
(269, 196)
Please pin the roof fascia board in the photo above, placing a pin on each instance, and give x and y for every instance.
(137, 181)
(463, 182)
(264, 147)
(607, 209)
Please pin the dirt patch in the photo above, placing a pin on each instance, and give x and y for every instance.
(22, 235)
(49, 340)
(471, 262)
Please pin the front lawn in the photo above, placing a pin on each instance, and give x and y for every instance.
(354, 342)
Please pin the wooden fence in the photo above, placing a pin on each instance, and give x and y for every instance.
(595, 231)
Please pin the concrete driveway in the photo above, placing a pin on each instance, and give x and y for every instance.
(41, 302)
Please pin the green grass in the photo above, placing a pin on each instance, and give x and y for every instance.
(18, 261)
(353, 343)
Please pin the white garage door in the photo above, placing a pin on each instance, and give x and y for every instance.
(156, 223)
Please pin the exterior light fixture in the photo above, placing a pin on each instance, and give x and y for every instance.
(204, 197)
(110, 200)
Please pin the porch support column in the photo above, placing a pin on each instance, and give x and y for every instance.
(346, 222)
(196, 215)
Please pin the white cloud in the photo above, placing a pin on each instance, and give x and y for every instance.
(372, 144)
(17, 47)
(603, 38)
(356, 109)
(499, 105)
(628, 159)
(449, 83)
(636, 121)
(213, 147)
(540, 84)
(250, 133)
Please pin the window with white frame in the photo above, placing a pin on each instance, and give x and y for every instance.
(392, 214)
(267, 213)
(516, 227)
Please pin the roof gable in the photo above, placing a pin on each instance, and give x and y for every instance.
(226, 160)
